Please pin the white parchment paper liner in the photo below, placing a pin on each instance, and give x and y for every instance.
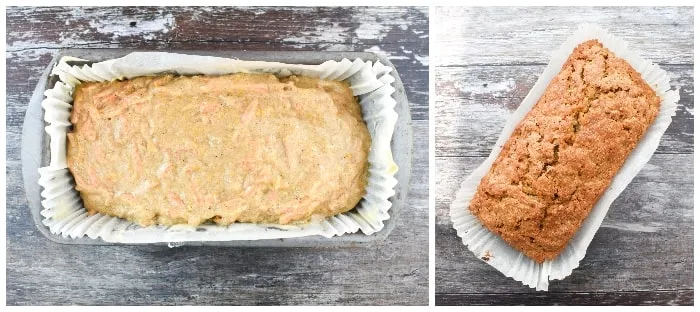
(513, 263)
(64, 213)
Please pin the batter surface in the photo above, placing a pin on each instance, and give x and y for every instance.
(234, 148)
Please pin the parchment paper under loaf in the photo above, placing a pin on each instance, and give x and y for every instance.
(63, 211)
(512, 262)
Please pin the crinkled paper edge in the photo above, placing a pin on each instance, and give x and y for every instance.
(512, 262)
(65, 215)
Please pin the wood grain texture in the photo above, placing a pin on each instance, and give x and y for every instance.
(392, 272)
(488, 35)
(589, 299)
(643, 252)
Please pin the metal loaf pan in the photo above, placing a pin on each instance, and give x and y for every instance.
(35, 145)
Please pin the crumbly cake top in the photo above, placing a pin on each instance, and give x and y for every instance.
(234, 148)
(564, 153)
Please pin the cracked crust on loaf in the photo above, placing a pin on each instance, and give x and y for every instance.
(564, 153)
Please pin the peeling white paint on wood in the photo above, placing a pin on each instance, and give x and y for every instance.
(632, 227)
(373, 31)
(332, 33)
(423, 59)
(162, 23)
(494, 88)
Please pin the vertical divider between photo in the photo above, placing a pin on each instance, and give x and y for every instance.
(431, 163)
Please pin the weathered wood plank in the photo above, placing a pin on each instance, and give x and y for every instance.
(67, 26)
(473, 104)
(659, 297)
(644, 244)
(392, 272)
(490, 35)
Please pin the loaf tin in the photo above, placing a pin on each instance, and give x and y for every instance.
(35, 144)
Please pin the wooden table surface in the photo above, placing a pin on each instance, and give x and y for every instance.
(486, 60)
(42, 272)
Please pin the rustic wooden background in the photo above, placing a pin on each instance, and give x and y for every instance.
(486, 60)
(42, 272)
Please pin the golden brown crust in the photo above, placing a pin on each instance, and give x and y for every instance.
(233, 148)
(564, 153)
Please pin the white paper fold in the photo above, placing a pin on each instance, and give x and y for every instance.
(63, 210)
(511, 262)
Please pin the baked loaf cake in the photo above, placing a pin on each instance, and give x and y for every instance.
(234, 148)
(564, 153)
